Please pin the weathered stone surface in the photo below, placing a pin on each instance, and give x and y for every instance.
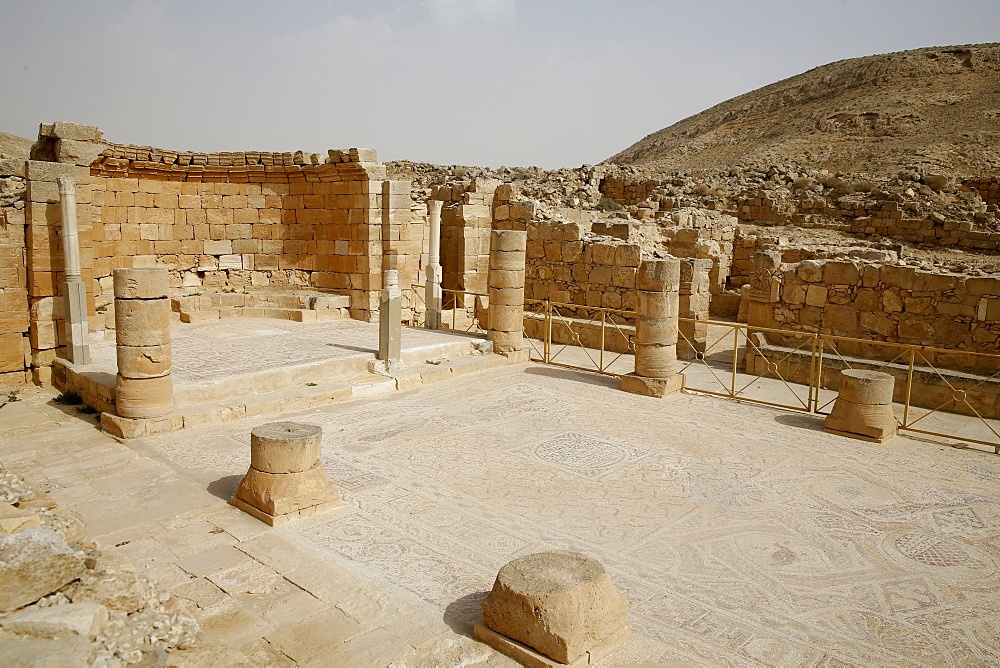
(558, 603)
(144, 361)
(15, 519)
(507, 260)
(509, 241)
(144, 397)
(145, 283)
(83, 619)
(75, 131)
(861, 386)
(870, 422)
(142, 322)
(25, 651)
(119, 590)
(656, 361)
(73, 152)
(33, 563)
(652, 387)
(659, 275)
(282, 493)
(206, 655)
(285, 447)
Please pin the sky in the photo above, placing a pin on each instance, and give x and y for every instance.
(553, 83)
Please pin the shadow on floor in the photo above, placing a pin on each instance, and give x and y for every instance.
(224, 488)
(579, 376)
(467, 611)
(801, 420)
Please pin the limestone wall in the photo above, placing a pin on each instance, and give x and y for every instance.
(988, 188)
(221, 220)
(466, 223)
(564, 266)
(867, 300)
(15, 348)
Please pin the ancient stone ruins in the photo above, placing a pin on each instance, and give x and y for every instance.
(865, 298)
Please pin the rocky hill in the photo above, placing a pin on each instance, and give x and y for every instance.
(928, 110)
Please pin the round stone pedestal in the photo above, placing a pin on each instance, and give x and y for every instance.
(863, 408)
(285, 479)
(554, 608)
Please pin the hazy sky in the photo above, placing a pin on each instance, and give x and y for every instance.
(485, 82)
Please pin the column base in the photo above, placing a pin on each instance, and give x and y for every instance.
(126, 429)
(652, 387)
(527, 656)
(516, 356)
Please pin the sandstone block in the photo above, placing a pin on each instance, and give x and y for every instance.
(276, 494)
(652, 387)
(144, 397)
(33, 563)
(75, 131)
(561, 604)
(505, 319)
(83, 619)
(661, 331)
(500, 279)
(658, 304)
(149, 283)
(15, 519)
(869, 422)
(659, 275)
(285, 447)
(74, 152)
(142, 322)
(506, 341)
(861, 386)
(509, 241)
(655, 361)
(507, 260)
(506, 296)
(143, 361)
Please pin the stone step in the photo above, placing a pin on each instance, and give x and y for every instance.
(326, 371)
(295, 315)
(311, 394)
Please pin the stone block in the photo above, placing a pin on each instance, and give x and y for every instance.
(285, 447)
(142, 322)
(659, 275)
(507, 296)
(74, 152)
(506, 319)
(15, 519)
(277, 494)
(504, 342)
(12, 352)
(83, 619)
(658, 304)
(875, 423)
(862, 386)
(500, 279)
(507, 260)
(75, 131)
(219, 247)
(509, 241)
(144, 397)
(652, 387)
(143, 361)
(35, 562)
(656, 361)
(560, 604)
(149, 283)
(660, 331)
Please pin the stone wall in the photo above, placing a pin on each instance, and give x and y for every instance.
(220, 220)
(988, 188)
(872, 301)
(565, 266)
(466, 223)
(15, 348)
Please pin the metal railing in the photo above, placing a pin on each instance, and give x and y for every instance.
(463, 317)
(801, 371)
(590, 338)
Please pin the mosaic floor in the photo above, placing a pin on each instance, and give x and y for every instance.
(739, 534)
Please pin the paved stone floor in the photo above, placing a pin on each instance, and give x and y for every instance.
(739, 534)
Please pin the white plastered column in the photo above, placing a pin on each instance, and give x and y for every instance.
(77, 327)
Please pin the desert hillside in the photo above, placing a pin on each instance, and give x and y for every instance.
(12, 146)
(934, 109)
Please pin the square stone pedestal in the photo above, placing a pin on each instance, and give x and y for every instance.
(652, 387)
(126, 429)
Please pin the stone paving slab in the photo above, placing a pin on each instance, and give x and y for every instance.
(739, 534)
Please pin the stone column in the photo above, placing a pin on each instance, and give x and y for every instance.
(432, 289)
(863, 408)
(657, 284)
(390, 315)
(77, 345)
(144, 386)
(506, 293)
(694, 297)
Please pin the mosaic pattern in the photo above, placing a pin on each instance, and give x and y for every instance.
(738, 537)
